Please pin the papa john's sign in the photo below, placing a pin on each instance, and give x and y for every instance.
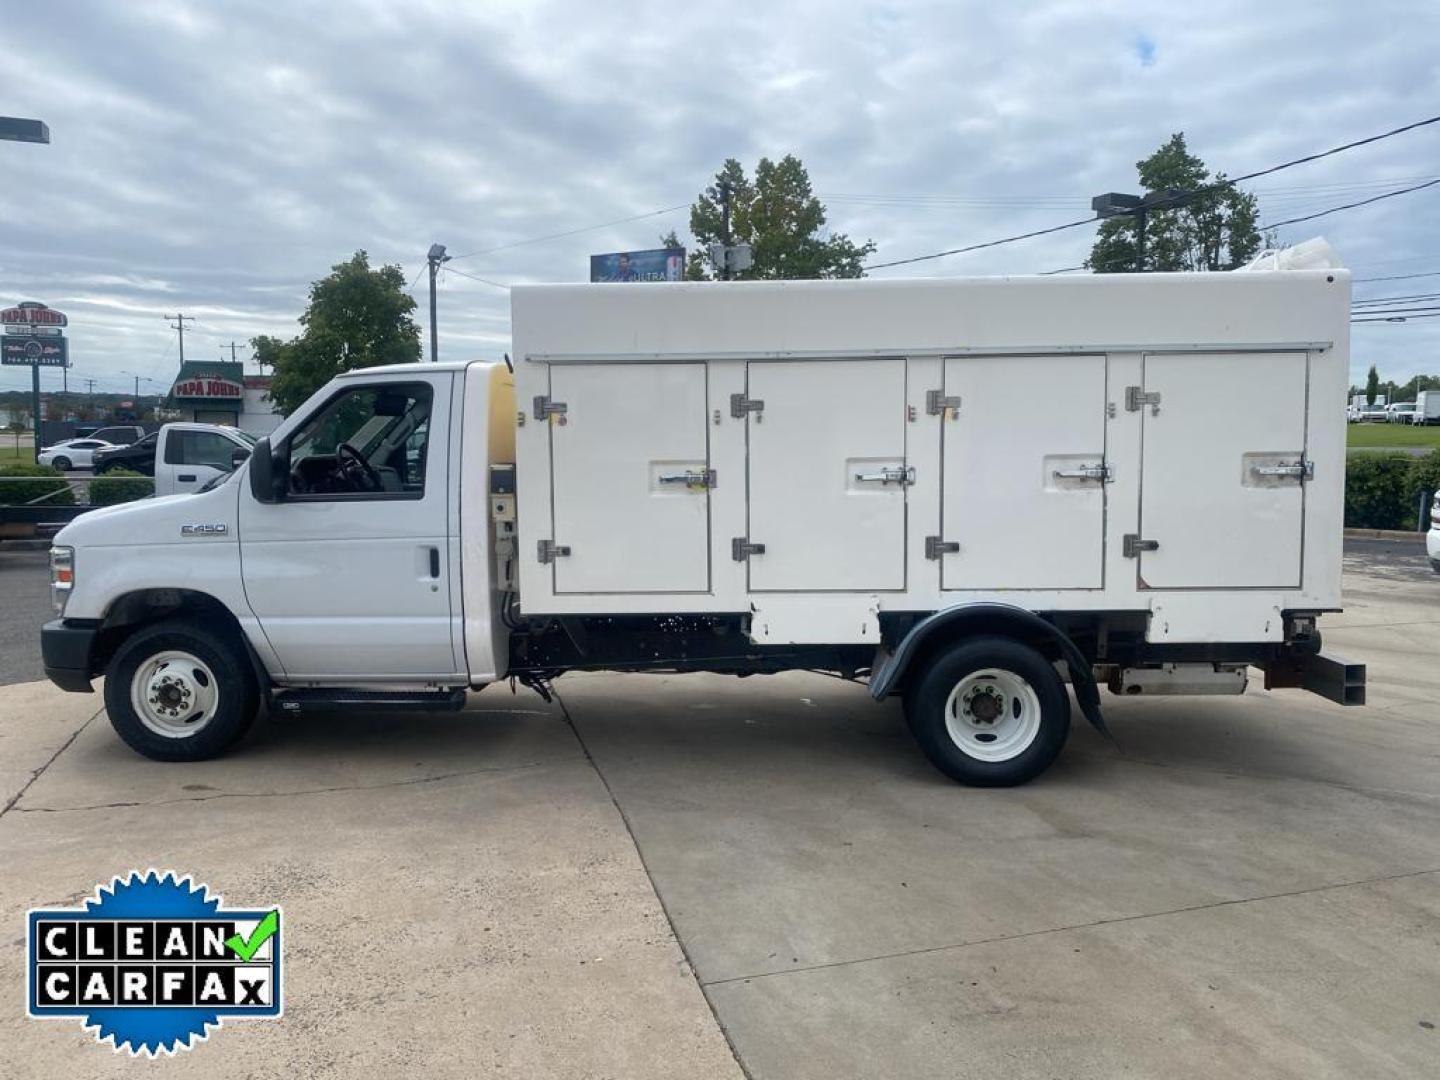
(209, 389)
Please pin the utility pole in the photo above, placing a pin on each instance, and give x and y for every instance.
(435, 257)
(724, 187)
(232, 347)
(179, 324)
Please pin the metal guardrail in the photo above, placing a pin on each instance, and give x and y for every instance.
(43, 509)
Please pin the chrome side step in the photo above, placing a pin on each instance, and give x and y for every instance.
(321, 700)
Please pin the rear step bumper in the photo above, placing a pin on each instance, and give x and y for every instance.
(1325, 674)
(349, 701)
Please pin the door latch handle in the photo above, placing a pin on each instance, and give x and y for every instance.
(1101, 472)
(435, 563)
(185, 477)
(1301, 470)
(696, 478)
(900, 474)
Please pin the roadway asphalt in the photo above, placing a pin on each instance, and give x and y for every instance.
(24, 607)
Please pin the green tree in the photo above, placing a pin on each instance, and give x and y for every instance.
(1214, 229)
(358, 317)
(778, 215)
(1372, 385)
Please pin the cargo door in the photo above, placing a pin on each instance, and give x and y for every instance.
(629, 459)
(1222, 494)
(827, 474)
(1023, 492)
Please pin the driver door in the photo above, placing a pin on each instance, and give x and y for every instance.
(349, 574)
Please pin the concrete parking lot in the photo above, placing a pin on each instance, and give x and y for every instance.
(701, 876)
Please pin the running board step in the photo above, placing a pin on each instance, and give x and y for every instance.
(328, 700)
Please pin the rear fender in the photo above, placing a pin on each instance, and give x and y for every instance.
(1005, 620)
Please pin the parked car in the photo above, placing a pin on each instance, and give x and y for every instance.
(72, 453)
(137, 457)
(118, 434)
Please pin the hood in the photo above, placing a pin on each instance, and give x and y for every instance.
(157, 521)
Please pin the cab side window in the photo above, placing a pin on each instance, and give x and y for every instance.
(366, 442)
(198, 448)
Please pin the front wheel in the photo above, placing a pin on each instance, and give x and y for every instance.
(990, 712)
(177, 691)
(61, 463)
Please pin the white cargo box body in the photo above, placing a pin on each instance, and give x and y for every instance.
(815, 454)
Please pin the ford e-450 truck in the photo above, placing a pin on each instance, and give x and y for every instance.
(754, 477)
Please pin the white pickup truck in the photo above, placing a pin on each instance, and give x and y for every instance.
(755, 477)
(180, 456)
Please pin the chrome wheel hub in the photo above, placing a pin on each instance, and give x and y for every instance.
(174, 694)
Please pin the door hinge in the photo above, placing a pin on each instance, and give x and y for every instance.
(740, 405)
(936, 403)
(741, 549)
(548, 551)
(544, 407)
(691, 478)
(1302, 470)
(1136, 399)
(1102, 472)
(936, 547)
(1132, 545)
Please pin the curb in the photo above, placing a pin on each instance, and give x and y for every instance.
(1384, 534)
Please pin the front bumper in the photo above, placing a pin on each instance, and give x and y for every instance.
(67, 647)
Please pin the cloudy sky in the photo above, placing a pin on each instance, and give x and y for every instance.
(214, 158)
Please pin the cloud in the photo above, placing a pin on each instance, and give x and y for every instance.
(217, 159)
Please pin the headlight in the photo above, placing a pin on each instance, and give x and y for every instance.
(62, 576)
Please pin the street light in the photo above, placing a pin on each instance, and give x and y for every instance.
(1114, 204)
(435, 257)
(18, 129)
(15, 129)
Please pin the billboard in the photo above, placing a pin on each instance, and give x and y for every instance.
(658, 264)
(40, 351)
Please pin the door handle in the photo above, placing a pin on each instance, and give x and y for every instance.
(435, 562)
(900, 474)
(691, 478)
(186, 476)
(1102, 472)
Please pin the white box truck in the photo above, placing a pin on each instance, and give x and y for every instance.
(754, 477)
(1427, 408)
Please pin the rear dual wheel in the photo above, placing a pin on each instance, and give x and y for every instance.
(990, 712)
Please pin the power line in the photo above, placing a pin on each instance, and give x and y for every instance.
(474, 277)
(571, 232)
(1351, 206)
(1399, 319)
(1399, 277)
(1227, 182)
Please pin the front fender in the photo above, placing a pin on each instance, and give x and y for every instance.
(991, 618)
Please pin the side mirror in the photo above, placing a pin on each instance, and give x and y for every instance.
(238, 456)
(263, 478)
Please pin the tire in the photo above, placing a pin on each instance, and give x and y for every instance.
(174, 674)
(989, 712)
(61, 463)
(1435, 565)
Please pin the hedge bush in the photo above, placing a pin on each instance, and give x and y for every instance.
(120, 486)
(47, 481)
(1382, 491)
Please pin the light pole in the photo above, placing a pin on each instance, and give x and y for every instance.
(19, 129)
(435, 257)
(1114, 204)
